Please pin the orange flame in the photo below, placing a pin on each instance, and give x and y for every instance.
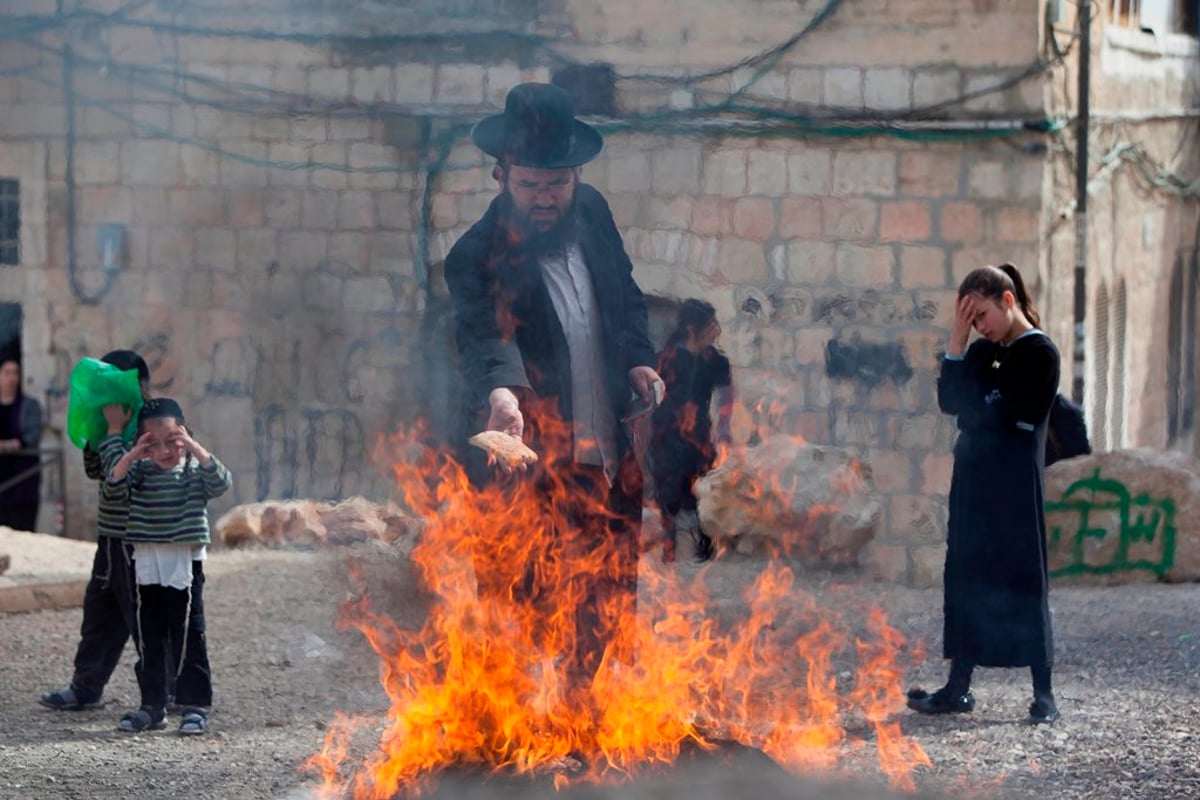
(488, 680)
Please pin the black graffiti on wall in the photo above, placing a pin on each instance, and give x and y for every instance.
(316, 453)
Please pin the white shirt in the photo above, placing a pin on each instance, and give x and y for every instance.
(166, 563)
(573, 296)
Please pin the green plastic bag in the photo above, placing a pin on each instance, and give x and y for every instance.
(94, 385)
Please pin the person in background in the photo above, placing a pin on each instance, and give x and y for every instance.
(1000, 389)
(167, 480)
(108, 600)
(682, 447)
(20, 429)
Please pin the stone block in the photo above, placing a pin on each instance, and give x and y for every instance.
(935, 473)
(413, 84)
(171, 248)
(246, 208)
(960, 222)
(329, 83)
(282, 208)
(888, 89)
(754, 218)
(849, 218)
(934, 86)
(319, 210)
(766, 173)
(865, 172)
(708, 216)
(928, 563)
(499, 79)
(810, 262)
(329, 168)
(216, 249)
(725, 172)
(923, 267)
(905, 221)
(245, 163)
(200, 167)
(668, 212)
(810, 172)
(257, 250)
(843, 87)
(806, 86)
(742, 261)
(373, 166)
(888, 562)
(300, 251)
(917, 516)
(629, 171)
(368, 295)
(800, 218)
(1012, 224)
(987, 180)
(676, 169)
(97, 163)
(930, 173)
(892, 470)
(459, 84)
(289, 163)
(150, 162)
(371, 84)
(199, 207)
(356, 211)
(349, 253)
(321, 291)
(861, 265)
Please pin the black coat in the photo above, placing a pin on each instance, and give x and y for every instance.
(996, 581)
(507, 329)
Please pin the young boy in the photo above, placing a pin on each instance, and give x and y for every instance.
(167, 480)
(108, 599)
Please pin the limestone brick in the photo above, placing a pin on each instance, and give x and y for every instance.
(887, 560)
(200, 207)
(676, 169)
(934, 86)
(888, 89)
(216, 249)
(368, 295)
(800, 217)
(742, 261)
(413, 83)
(862, 265)
(892, 470)
(1013, 224)
(150, 162)
(922, 267)
(935, 473)
(356, 211)
(244, 163)
(319, 210)
(843, 87)
(246, 208)
(371, 84)
(460, 84)
(849, 218)
(725, 172)
(810, 172)
(754, 218)
(811, 262)
(96, 163)
(988, 179)
(301, 250)
(872, 173)
(805, 85)
(905, 221)
(960, 222)
(930, 173)
(329, 83)
(766, 173)
(629, 171)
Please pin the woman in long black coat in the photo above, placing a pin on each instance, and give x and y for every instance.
(996, 582)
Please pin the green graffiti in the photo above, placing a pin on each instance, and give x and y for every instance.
(1144, 538)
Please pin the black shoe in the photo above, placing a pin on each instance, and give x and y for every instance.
(940, 702)
(1042, 710)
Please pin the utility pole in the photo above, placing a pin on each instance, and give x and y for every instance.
(1081, 195)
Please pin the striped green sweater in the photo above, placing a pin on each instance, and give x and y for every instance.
(169, 505)
(113, 514)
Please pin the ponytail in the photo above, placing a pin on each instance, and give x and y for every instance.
(1021, 293)
(993, 282)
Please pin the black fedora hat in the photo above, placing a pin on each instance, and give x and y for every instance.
(538, 129)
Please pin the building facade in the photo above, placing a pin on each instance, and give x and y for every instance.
(257, 196)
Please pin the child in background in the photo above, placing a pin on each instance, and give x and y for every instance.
(108, 599)
(681, 440)
(167, 480)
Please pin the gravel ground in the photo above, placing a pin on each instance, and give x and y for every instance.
(1127, 680)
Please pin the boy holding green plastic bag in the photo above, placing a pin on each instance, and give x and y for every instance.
(105, 398)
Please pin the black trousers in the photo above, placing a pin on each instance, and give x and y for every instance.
(171, 630)
(108, 616)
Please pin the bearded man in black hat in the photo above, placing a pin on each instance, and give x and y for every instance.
(551, 327)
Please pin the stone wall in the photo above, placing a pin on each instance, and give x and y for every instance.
(285, 193)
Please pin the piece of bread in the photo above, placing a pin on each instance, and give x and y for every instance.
(503, 448)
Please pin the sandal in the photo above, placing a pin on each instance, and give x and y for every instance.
(144, 719)
(69, 700)
(193, 723)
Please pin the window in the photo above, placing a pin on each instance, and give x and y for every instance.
(1181, 353)
(1118, 410)
(1098, 422)
(1156, 16)
(10, 221)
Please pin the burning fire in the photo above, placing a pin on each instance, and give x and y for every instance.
(484, 682)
